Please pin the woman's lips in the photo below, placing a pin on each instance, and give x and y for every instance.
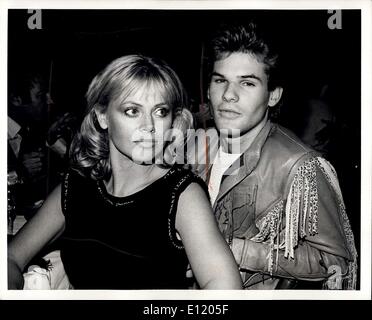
(146, 143)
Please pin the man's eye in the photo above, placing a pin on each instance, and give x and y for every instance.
(219, 80)
(131, 112)
(247, 84)
(161, 112)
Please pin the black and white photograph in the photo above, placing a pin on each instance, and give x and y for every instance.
(157, 151)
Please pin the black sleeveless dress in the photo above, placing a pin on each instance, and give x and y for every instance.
(124, 242)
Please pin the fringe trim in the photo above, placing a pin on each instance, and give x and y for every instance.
(269, 227)
(302, 203)
(350, 279)
(301, 214)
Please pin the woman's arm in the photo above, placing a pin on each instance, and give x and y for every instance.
(211, 260)
(47, 224)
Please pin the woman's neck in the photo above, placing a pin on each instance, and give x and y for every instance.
(124, 170)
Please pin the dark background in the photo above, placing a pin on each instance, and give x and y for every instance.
(79, 43)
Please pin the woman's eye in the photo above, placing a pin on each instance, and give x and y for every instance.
(162, 112)
(131, 112)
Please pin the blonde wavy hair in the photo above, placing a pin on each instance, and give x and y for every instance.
(89, 152)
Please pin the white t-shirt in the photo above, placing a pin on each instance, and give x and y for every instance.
(221, 163)
(224, 160)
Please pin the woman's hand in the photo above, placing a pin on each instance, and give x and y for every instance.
(43, 228)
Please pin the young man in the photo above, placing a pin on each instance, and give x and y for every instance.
(277, 202)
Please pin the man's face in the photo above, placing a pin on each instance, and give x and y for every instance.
(37, 94)
(238, 92)
(38, 106)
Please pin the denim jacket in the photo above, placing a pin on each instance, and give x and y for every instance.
(283, 215)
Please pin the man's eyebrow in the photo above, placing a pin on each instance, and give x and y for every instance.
(251, 76)
(248, 76)
(217, 74)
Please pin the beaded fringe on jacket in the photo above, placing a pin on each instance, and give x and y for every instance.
(301, 217)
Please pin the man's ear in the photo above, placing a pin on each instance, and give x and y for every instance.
(275, 96)
(101, 117)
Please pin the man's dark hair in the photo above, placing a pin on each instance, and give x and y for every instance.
(247, 39)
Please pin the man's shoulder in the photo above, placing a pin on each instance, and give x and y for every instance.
(283, 141)
(283, 149)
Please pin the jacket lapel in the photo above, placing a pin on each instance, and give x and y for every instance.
(245, 164)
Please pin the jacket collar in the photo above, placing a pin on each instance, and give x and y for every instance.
(246, 163)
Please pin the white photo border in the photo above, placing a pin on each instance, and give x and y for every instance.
(365, 283)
